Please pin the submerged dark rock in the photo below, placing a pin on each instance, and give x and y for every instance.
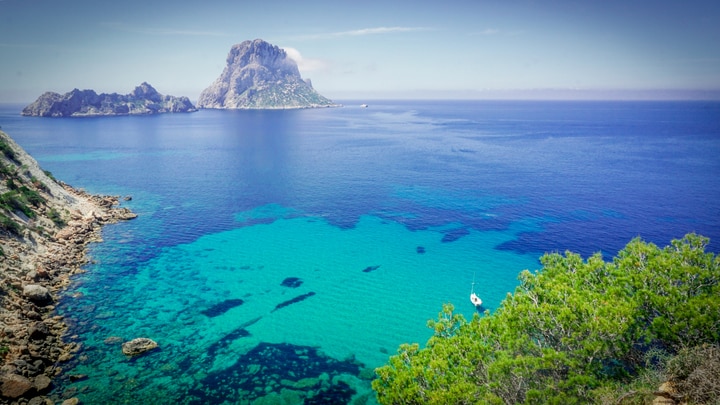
(259, 75)
(222, 307)
(455, 234)
(83, 103)
(227, 340)
(285, 367)
(420, 250)
(217, 347)
(293, 301)
(292, 282)
(340, 393)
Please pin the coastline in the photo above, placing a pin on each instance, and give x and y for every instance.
(38, 256)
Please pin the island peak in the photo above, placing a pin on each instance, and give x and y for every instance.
(259, 75)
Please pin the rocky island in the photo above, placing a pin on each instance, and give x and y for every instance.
(83, 103)
(45, 226)
(259, 75)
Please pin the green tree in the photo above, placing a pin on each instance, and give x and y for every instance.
(569, 331)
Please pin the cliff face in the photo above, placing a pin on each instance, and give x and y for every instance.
(77, 103)
(259, 75)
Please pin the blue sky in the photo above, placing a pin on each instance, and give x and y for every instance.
(367, 48)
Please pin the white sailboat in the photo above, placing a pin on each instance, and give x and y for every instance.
(474, 297)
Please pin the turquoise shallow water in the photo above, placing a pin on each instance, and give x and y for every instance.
(365, 289)
(280, 256)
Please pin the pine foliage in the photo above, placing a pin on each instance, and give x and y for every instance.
(577, 331)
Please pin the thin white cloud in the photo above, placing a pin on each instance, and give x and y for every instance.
(377, 30)
(495, 31)
(161, 31)
(362, 32)
(304, 64)
(489, 31)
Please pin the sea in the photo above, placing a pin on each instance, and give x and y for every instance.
(281, 256)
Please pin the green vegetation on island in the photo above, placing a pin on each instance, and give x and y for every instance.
(578, 331)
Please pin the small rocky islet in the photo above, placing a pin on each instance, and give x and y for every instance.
(259, 75)
(143, 100)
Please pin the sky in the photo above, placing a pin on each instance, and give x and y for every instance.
(370, 49)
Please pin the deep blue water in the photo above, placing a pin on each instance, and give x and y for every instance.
(288, 253)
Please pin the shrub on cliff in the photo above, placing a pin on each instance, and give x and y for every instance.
(31, 196)
(7, 150)
(5, 170)
(7, 224)
(55, 216)
(13, 201)
(570, 333)
(4, 350)
(695, 372)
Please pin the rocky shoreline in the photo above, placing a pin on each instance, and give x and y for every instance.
(38, 255)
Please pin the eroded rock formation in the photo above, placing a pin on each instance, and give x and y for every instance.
(259, 75)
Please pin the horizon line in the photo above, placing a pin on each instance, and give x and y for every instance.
(532, 94)
(538, 94)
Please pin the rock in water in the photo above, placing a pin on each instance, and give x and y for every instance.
(78, 103)
(138, 346)
(37, 293)
(259, 75)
